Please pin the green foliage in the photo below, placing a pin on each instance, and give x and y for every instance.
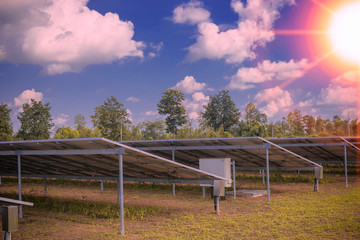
(171, 106)
(110, 118)
(83, 207)
(220, 112)
(153, 130)
(6, 128)
(35, 120)
(66, 132)
(254, 123)
(79, 121)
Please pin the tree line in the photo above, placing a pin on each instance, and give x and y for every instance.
(219, 118)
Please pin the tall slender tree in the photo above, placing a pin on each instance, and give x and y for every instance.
(171, 105)
(79, 121)
(6, 128)
(35, 120)
(220, 112)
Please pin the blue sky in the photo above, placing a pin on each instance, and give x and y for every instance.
(76, 53)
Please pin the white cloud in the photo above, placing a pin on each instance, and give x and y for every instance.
(133, 99)
(246, 78)
(343, 90)
(237, 44)
(199, 96)
(130, 114)
(151, 113)
(63, 36)
(156, 48)
(26, 96)
(276, 99)
(351, 113)
(195, 105)
(61, 119)
(191, 13)
(189, 85)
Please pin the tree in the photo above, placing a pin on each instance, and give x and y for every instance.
(6, 128)
(309, 122)
(66, 132)
(110, 118)
(79, 121)
(220, 112)
(319, 126)
(255, 121)
(153, 130)
(35, 120)
(295, 122)
(171, 106)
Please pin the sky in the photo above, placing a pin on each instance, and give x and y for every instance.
(277, 54)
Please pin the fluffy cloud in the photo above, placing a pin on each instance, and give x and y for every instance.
(191, 13)
(61, 119)
(343, 90)
(132, 99)
(235, 45)
(195, 105)
(63, 35)
(189, 85)
(26, 96)
(276, 100)
(246, 78)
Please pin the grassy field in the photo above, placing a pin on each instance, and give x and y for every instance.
(78, 210)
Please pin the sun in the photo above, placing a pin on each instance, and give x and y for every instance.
(344, 31)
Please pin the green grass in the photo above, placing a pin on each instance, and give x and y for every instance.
(87, 208)
(300, 216)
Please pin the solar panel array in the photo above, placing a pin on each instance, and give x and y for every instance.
(322, 149)
(137, 163)
(246, 152)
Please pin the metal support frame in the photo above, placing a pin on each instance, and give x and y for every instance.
(45, 186)
(263, 176)
(0, 180)
(345, 163)
(121, 194)
(216, 204)
(19, 183)
(316, 185)
(267, 175)
(173, 158)
(234, 179)
(203, 190)
(102, 185)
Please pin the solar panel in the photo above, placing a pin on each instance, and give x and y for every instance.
(88, 158)
(248, 152)
(322, 149)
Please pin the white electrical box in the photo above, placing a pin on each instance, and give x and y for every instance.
(217, 166)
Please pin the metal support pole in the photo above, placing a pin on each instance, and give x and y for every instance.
(345, 160)
(121, 194)
(45, 185)
(0, 180)
(316, 185)
(102, 185)
(217, 205)
(173, 158)
(267, 175)
(203, 188)
(263, 175)
(19, 183)
(234, 179)
(7, 236)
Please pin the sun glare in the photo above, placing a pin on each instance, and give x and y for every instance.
(345, 31)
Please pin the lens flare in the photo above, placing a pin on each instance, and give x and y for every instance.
(345, 31)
